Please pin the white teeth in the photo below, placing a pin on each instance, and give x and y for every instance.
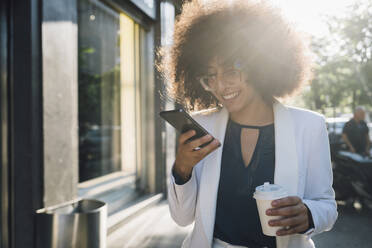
(230, 96)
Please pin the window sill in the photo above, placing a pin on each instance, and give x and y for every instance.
(117, 190)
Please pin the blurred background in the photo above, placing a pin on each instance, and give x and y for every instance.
(80, 98)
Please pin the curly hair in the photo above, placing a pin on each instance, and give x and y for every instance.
(273, 55)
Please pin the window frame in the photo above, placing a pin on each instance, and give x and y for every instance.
(4, 226)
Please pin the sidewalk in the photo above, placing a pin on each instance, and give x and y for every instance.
(156, 229)
(153, 228)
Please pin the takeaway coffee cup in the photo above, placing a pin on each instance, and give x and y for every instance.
(264, 195)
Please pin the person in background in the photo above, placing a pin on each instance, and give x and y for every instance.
(355, 133)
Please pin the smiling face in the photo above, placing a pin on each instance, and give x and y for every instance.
(232, 90)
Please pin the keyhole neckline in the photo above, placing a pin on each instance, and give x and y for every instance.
(251, 126)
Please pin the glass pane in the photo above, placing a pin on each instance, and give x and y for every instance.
(100, 141)
(128, 103)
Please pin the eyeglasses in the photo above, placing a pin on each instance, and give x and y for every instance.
(210, 81)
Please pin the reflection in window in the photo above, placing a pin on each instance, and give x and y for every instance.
(100, 130)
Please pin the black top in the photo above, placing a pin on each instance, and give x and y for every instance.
(357, 134)
(237, 221)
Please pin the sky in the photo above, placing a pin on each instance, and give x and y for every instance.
(308, 13)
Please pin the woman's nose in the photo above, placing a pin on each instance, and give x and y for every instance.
(222, 84)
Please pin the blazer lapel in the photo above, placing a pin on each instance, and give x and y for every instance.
(211, 175)
(286, 163)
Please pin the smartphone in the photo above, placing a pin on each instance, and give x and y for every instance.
(183, 122)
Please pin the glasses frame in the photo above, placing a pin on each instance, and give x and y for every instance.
(205, 77)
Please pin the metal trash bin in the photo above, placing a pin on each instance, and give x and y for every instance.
(78, 224)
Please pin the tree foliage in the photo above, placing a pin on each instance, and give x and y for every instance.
(343, 72)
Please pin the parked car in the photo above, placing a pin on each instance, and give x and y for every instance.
(370, 130)
(99, 151)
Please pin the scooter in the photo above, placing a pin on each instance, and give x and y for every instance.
(352, 177)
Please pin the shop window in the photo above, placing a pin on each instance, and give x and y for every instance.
(108, 84)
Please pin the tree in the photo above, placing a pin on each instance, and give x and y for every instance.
(343, 75)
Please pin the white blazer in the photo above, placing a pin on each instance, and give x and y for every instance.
(302, 166)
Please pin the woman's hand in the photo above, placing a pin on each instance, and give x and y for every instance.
(294, 212)
(187, 157)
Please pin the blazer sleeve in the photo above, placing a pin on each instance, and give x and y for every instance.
(319, 195)
(182, 198)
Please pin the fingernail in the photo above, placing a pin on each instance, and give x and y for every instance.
(269, 212)
(274, 203)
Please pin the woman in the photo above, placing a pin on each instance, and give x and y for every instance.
(236, 58)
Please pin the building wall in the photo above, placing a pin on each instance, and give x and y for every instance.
(60, 105)
(43, 151)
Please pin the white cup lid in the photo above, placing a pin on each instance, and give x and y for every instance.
(269, 191)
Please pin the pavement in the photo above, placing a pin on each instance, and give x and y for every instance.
(353, 229)
(155, 229)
